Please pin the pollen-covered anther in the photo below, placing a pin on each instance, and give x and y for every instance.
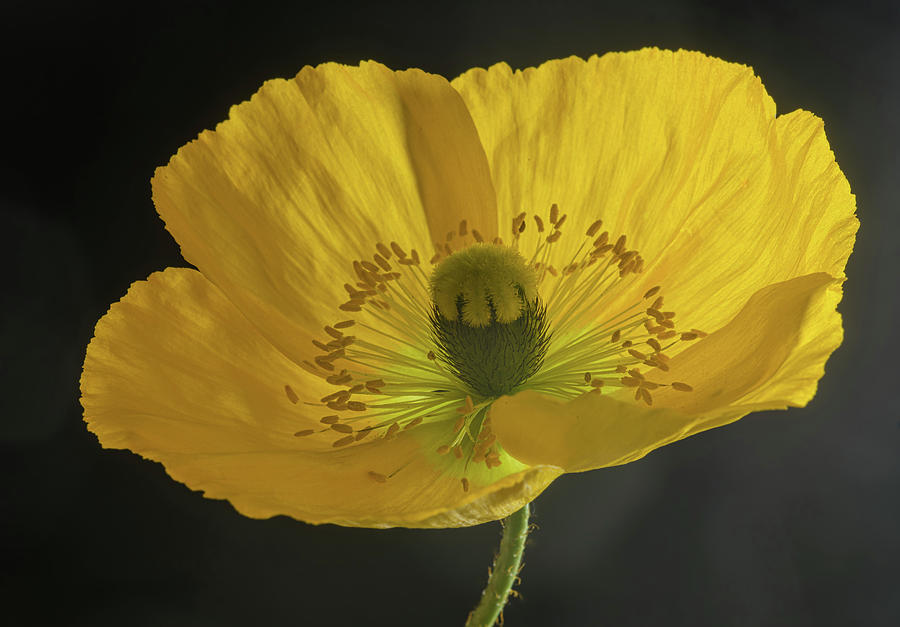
(413, 423)
(343, 441)
(291, 394)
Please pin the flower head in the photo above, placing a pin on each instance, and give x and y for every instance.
(417, 302)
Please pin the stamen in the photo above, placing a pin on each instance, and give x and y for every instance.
(396, 372)
(343, 441)
(292, 396)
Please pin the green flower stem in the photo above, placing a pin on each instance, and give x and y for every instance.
(505, 571)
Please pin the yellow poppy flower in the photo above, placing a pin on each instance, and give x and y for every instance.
(407, 312)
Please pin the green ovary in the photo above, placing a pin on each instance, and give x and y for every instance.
(487, 321)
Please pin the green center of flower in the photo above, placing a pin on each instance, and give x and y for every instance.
(487, 320)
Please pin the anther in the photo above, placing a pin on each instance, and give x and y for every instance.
(463, 228)
(377, 476)
(381, 261)
(652, 292)
(329, 420)
(292, 396)
(554, 213)
(356, 406)
(559, 222)
(397, 250)
(340, 396)
(465, 484)
(539, 223)
(343, 324)
(343, 441)
(681, 387)
(413, 423)
(342, 428)
(394, 428)
(645, 395)
(339, 379)
(443, 449)
(323, 362)
(593, 228)
(383, 250)
(304, 433)
(320, 346)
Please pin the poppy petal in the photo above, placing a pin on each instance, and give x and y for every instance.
(311, 173)
(176, 373)
(743, 367)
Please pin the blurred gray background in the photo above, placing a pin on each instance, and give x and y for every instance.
(787, 518)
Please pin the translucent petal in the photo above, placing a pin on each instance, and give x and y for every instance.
(680, 152)
(178, 375)
(308, 175)
(734, 371)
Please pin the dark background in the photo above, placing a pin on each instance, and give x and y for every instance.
(785, 518)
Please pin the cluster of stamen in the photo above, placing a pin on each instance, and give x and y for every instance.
(390, 374)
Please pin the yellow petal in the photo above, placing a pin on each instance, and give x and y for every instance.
(178, 375)
(680, 152)
(770, 356)
(773, 351)
(309, 175)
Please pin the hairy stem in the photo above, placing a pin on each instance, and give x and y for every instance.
(505, 570)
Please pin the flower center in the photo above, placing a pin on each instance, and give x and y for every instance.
(437, 346)
(487, 321)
